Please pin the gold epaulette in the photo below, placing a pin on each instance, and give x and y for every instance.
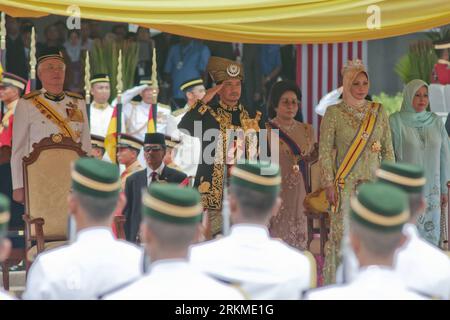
(178, 112)
(32, 94)
(74, 95)
(165, 106)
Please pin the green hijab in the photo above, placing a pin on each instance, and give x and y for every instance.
(407, 113)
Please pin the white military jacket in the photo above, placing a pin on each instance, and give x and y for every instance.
(175, 279)
(93, 264)
(190, 149)
(31, 126)
(136, 118)
(422, 266)
(371, 283)
(5, 296)
(264, 268)
(100, 118)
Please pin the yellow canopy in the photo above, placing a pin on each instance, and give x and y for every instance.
(256, 21)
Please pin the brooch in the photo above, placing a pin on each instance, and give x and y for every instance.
(376, 146)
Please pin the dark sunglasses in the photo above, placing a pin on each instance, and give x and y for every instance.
(152, 148)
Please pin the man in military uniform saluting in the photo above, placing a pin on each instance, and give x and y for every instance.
(44, 112)
(227, 114)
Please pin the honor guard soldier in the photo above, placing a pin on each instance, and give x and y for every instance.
(95, 262)
(226, 116)
(11, 89)
(264, 268)
(5, 243)
(100, 111)
(422, 266)
(44, 112)
(377, 216)
(172, 149)
(98, 146)
(136, 114)
(171, 219)
(128, 150)
(189, 150)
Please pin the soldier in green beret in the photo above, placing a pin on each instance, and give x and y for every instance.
(263, 267)
(421, 265)
(95, 262)
(5, 243)
(171, 218)
(377, 215)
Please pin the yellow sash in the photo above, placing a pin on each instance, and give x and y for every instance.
(50, 113)
(356, 148)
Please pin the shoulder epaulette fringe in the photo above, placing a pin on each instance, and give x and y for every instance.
(74, 95)
(31, 94)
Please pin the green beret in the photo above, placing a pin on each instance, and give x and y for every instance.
(4, 215)
(95, 177)
(257, 175)
(172, 203)
(406, 176)
(380, 206)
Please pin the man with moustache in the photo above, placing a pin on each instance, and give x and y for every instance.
(156, 172)
(41, 113)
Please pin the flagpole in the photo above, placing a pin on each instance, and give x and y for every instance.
(33, 60)
(154, 86)
(87, 86)
(3, 53)
(119, 88)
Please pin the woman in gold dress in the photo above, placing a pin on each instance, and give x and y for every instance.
(296, 140)
(354, 138)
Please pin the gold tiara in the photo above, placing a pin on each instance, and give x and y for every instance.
(355, 65)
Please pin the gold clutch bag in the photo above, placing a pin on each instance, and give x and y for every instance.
(316, 201)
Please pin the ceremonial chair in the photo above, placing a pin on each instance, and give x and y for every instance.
(315, 204)
(47, 183)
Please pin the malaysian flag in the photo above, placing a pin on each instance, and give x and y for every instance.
(319, 72)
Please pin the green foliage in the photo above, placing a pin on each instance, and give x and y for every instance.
(390, 103)
(418, 63)
(104, 59)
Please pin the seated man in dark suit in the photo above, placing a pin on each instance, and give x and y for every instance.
(156, 172)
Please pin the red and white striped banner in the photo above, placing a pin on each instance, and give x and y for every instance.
(319, 72)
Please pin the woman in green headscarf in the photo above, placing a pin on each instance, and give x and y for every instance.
(419, 137)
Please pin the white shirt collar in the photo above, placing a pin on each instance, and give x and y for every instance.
(168, 265)
(247, 230)
(93, 233)
(158, 171)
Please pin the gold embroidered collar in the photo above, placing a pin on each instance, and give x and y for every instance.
(55, 97)
(100, 106)
(227, 107)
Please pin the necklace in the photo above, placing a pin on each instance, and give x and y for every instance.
(287, 128)
(357, 112)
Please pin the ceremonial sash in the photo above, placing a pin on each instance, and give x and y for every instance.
(293, 147)
(356, 148)
(50, 113)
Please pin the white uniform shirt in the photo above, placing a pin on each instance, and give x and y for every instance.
(175, 279)
(422, 266)
(100, 118)
(189, 150)
(371, 283)
(264, 268)
(5, 296)
(94, 264)
(30, 126)
(136, 118)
